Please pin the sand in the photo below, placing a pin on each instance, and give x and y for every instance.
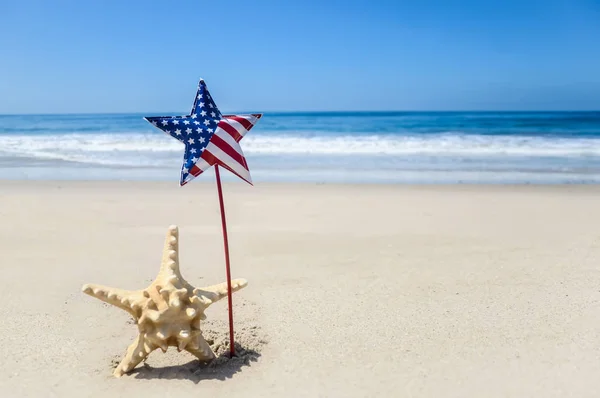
(354, 291)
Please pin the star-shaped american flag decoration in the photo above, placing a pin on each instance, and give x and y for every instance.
(209, 137)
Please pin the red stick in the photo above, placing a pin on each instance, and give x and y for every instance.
(231, 343)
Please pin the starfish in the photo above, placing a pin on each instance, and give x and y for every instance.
(168, 312)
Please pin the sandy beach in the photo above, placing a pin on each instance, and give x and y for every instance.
(354, 291)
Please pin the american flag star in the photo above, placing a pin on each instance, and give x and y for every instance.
(205, 147)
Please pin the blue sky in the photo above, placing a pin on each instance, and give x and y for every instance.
(146, 56)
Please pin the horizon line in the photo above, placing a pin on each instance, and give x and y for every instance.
(314, 112)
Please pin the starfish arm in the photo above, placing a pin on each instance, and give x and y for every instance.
(124, 299)
(136, 353)
(170, 258)
(214, 293)
(200, 348)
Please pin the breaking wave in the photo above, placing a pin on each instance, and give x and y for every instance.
(129, 148)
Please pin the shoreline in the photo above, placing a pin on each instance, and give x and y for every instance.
(235, 184)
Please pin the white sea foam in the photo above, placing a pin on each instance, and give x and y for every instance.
(441, 145)
(409, 158)
(122, 148)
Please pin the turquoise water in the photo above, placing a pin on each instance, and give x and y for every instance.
(359, 147)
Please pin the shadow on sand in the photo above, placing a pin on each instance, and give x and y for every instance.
(221, 368)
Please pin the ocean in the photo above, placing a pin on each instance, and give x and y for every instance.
(341, 147)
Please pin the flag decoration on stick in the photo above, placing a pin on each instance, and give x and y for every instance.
(211, 138)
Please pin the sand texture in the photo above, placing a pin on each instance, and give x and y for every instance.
(354, 291)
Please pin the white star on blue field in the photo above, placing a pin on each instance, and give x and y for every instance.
(194, 130)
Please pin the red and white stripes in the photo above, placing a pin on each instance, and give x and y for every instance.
(224, 148)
